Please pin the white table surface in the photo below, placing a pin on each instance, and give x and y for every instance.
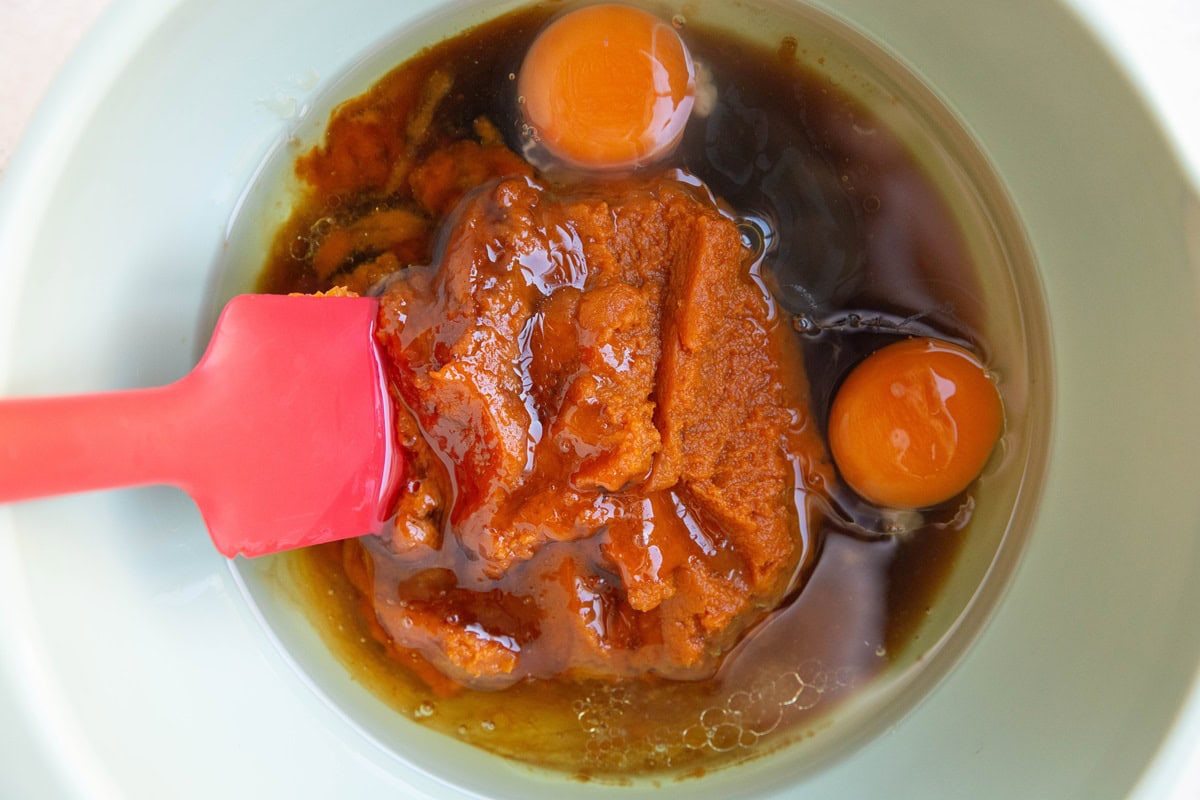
(35, 38)
(1158, 41)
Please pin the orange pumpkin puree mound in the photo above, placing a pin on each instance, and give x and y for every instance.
(611, 459)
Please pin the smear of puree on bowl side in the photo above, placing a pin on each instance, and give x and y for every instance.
(622, 546)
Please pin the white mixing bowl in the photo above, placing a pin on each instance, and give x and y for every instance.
(131, 663)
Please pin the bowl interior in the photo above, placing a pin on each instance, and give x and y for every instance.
(1006, 289)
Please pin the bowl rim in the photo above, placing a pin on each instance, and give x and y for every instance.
(57, 125)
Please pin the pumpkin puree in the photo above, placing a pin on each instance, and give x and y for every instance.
(607, 438)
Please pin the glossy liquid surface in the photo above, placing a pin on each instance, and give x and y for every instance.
(854, 241)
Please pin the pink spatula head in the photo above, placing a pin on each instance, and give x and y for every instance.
(282, 433)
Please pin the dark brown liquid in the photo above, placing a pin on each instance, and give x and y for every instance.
(859, 246)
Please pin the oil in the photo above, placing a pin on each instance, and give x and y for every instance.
(860, 248)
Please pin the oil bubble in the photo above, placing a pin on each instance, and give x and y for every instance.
(724, 737)
(590, 720)
(713, 717)
(740, 702)
(802, 689)
(765, 719)
(322, 226)
(301, 248)
(806, 325)
(695, 737)
(753, 237)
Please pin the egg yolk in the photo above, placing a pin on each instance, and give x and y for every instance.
(914, 423)
(607, 87)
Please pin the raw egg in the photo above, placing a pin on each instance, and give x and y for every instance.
(607, 87)
(914, 423)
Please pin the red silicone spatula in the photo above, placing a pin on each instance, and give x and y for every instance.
(282, 433)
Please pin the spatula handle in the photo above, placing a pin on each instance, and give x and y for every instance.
(61, 445)
(282, 434)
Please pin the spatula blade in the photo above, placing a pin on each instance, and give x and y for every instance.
(300, 449)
